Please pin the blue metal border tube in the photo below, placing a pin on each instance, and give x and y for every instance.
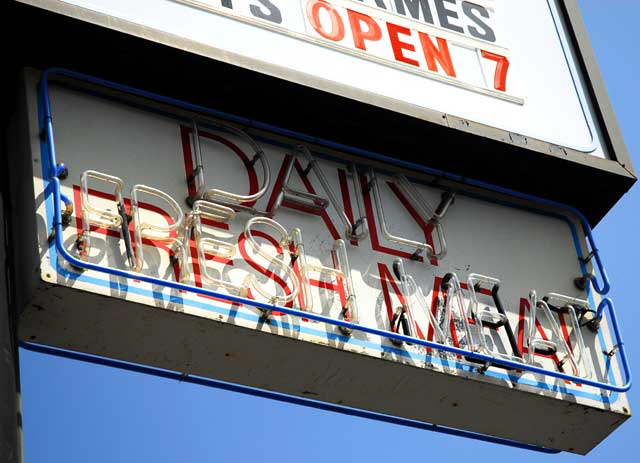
(608, 303)
(58, 198)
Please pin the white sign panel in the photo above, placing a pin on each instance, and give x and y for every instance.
(503, 63)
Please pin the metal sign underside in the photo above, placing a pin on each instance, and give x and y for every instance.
(505, 65)
(211, 233)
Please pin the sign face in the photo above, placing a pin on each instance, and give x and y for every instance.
(505, 64)
(163, 207)
(407, 40)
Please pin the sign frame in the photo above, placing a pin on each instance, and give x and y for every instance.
(119, 310)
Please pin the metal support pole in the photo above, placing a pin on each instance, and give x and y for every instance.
(10, 415)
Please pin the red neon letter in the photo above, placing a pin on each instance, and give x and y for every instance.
(398, 45)
(277, 189)
(524, 305)
(440, 54)
(502, 67)
(242, 240)
(313, 14)
(386, 280)
(372, 33)
(189, 161)
(376, 245)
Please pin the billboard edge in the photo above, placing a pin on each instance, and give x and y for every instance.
(596, 85)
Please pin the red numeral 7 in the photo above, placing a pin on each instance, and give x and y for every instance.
(502, 67)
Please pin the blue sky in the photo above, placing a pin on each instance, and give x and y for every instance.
(77, 412)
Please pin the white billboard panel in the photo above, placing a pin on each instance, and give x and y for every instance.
(245, 229)
(502, 63)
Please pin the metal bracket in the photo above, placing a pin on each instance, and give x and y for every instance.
(582, 282)
(612, 352)
(587, 258)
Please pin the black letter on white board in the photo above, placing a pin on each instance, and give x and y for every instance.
(485, 32)
(414, 7)
(444, 14)
(272, 15)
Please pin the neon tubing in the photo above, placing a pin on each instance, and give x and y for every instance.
(214, 193)
(351, 228)
(285, 240)
(146, 230)
(425, 211)
(600, 289)
(417, 246)
(92, 215)
(570, 305)
(535, 342)
(55, 170)
(476, 279)
(451, 287)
